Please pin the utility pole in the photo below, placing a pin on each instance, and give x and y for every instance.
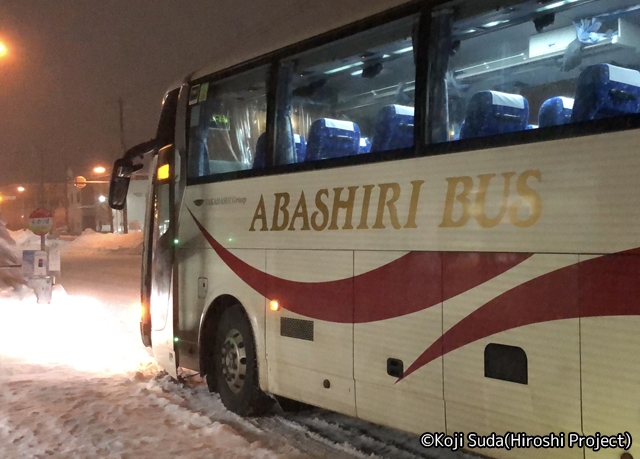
(125, 217)
(41, 191)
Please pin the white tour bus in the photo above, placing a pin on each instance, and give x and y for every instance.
(427, 218)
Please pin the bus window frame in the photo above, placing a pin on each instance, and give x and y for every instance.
(423, 101)
(273, 59)
(546, 134)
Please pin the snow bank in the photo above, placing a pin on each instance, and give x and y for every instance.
(26, 239)
(9, 258)
(90, 241)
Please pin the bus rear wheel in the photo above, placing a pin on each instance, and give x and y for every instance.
(235, 365)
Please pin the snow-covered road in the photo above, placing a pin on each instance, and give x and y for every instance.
(76, 382)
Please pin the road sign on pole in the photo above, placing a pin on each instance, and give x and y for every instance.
(40, 221)
(80, 182)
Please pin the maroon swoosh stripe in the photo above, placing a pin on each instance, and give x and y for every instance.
(408, 284)
(604, 286)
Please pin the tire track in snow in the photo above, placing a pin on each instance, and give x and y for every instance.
(317, 433)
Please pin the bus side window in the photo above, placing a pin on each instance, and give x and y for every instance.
(349, 97)
(226, 119)
(532, 67)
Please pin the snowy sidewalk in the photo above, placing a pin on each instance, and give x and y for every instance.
(70, 390)
(73, 384)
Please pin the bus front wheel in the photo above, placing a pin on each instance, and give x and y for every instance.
(235, 365)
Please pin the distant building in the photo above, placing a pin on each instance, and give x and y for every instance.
(74, 209)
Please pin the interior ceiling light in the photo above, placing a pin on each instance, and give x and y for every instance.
(344, 67)
(488, 25)
(556, 5)
(403, 50)
(521, 56)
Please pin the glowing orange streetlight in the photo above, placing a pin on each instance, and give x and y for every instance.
(99, 170)
(20, 189)
(3, 49)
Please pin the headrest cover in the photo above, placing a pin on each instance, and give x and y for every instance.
(625, 76)
(567, 102)
(507, 100)
(339, 124)
(403, 110)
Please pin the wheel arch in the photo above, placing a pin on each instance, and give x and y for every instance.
(208, 328)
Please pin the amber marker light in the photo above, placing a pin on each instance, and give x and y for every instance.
(163, 172)
(3, 50)
(274, 305)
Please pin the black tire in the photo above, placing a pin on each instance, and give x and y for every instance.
(235, 367)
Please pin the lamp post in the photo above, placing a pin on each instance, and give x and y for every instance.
(20, 189)
(101, 172)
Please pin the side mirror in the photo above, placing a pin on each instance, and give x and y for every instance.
(119, 185)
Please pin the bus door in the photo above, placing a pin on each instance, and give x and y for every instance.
(162, 226)
(159, 283)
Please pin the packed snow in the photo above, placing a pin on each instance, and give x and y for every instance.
(88, 241)
(76, 381)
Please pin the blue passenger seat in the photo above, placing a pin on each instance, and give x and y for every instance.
(493, 112)
(604, 90)
(365, 145)
(261, 152)
(329, 138)
(301, 147)
(555, 111)
(394, 128)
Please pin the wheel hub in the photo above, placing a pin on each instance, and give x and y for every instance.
(234, 360)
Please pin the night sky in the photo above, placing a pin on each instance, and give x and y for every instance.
(71, 60)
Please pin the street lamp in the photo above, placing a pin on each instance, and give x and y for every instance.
(99, 170)
(3, 49)
(21, 190)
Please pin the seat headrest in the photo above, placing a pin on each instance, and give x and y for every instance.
(605, 90)
(494, 112)
(622, 75)
(555, 111)
(507, 100)
(330, 138)
(393, 128)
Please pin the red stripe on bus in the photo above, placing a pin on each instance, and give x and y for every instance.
(604, 286)
(416, 279)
